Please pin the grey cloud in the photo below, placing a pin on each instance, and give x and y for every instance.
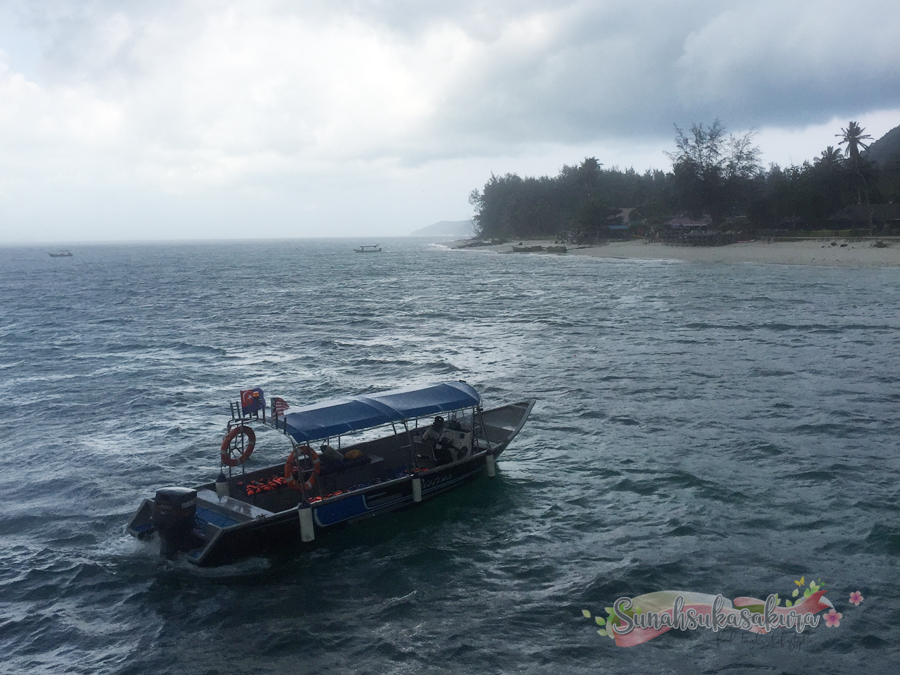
(604, 69)
(636, 69)
(305, 101)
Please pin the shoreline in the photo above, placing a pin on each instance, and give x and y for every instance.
(820, 252)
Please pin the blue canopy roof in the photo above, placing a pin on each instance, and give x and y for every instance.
(354, 413)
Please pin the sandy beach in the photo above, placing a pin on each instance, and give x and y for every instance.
(826, 252)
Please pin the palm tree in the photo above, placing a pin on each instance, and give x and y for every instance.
(853, 137)
(830, 156)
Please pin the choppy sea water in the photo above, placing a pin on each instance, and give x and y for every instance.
(700, 427)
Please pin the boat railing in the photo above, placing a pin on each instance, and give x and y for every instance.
(405, 441)
(238, 416)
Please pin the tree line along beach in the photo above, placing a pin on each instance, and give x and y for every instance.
(716, 204)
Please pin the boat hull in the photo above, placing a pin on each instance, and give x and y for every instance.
(232, 544)
(229, 529)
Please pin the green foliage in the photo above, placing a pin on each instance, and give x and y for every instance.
(579, 203)
(713, 173)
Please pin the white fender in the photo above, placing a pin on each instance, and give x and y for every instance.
(307, 531)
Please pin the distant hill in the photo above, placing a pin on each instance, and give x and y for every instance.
(447, 228)
(886, 149)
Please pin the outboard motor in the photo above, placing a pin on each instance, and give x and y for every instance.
(174, 509)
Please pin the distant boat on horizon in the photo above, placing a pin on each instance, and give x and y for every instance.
(368, 249)
(61, 254)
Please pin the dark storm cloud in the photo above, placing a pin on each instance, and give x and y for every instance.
(610, 69)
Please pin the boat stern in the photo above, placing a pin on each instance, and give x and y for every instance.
(171, 518)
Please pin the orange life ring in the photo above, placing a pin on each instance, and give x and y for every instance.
(227, 459)
(290, 466)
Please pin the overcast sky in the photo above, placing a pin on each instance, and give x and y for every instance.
(177, 119)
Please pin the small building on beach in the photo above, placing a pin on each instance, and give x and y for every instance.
(885, 217)
(687, 231)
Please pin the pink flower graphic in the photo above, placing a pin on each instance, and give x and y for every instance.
(833, 619)
(856, 598)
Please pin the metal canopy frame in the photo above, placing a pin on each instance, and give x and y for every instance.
(332, 418)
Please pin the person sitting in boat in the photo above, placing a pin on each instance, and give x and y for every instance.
(444, 451)
(330, 455)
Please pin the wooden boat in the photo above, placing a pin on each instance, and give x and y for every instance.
(376, 248)
(61, 254)
(379, 453)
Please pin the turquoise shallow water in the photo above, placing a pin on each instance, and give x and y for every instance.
(707, 428)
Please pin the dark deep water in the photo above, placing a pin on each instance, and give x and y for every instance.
(700, 427)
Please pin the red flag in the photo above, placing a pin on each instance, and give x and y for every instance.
(252, 401)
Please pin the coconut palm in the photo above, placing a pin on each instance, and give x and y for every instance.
(830, 156)
(853, 137)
